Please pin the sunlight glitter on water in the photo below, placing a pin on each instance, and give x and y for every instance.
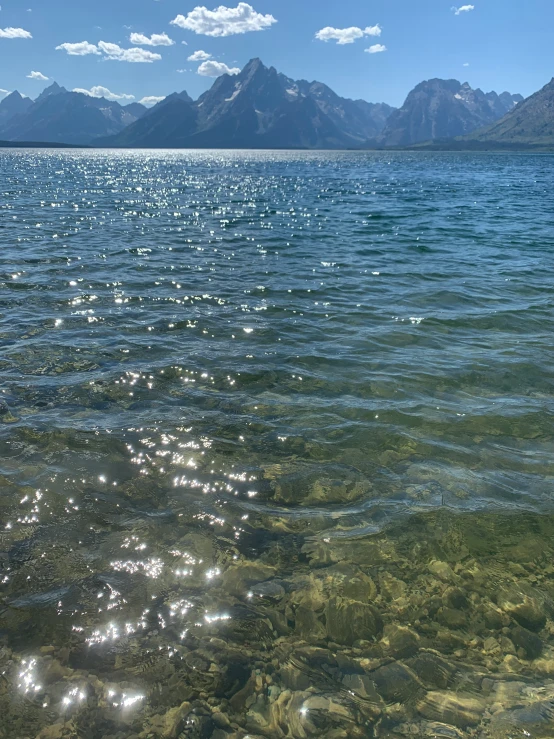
(276, 446)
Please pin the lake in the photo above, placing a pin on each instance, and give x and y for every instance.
(276, 445)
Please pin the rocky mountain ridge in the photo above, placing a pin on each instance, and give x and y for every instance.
(437, 109)
(263, 108)
(258, 108)
(58, 116)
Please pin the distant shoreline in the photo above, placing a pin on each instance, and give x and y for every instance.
(431, 146)
(39, 145)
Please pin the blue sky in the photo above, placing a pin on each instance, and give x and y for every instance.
(493, 44)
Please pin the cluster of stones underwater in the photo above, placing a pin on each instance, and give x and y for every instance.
(439, 627)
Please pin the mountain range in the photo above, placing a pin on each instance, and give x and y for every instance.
(262, 108)
(531, 124)
(61, 117)
(439, 109)
(258, 108)
(13, 105)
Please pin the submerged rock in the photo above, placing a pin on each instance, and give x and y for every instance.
(348, 621)
(391, 587)
(436, 730)
(396, 683)
(535, 718)
(432, 670)
(443, 571)
(240, 578)
(452, 708)
(529, 643)
(400, 642)
(327, 484)
(527, 610)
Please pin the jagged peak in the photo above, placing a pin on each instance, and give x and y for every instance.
(253, 65)
(451, 85)
(255, 69)
(53, 89)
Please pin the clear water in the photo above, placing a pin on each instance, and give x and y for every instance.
(276, 445)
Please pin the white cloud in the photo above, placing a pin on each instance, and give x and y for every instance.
(79, 49)
(110, 51)
(466, 64)
(4, 92)
(347, 35)
(37, 76)
(199, 56)
(14, 33)
(102, 92)
(136, 55)
(156, 39)
(463, 9)
(224, 21)
(375, 30)
(151, 99)
(376, 49)
(216, 69)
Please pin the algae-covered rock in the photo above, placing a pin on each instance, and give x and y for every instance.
(523, 607)
(391, 587)
(239, 578)
(348, 581)
(327, 484)
(529, 643)
(348, 621)
(443, 571)
(400, 641)
(307, 624)
(453, 618)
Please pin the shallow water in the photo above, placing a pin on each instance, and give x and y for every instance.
(276, 445)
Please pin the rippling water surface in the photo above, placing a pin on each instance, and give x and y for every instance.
(276, 447)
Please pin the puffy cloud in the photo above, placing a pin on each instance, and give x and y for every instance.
(37, 76)
(110, 51)
(224, 21)
(135, 55)
(151, 99)
(463, 9)
(14, 33)
(82, 48)
(216, 69)
(376, 49)
(199, 56)
(156, 39)
(347, 35)
(102, 92)
(375, 30)
(341, 35)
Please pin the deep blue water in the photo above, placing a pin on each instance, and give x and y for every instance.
(207, 355)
